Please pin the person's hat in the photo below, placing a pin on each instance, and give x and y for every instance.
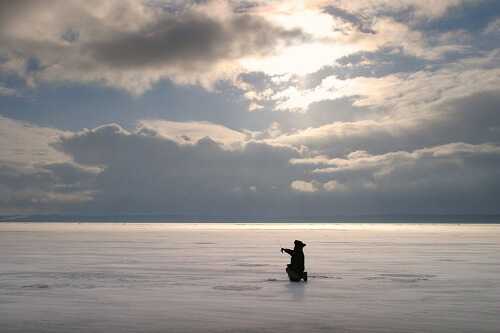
(299, 243)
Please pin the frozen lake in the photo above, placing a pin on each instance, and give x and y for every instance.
(103, 277)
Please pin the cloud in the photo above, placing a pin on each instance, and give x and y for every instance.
(163, 175)
(48, 188)
(388, 79)
(434, 178)
(74, 41)
(27, 144)
(473, 119)
(373, 63)
(203, 177)
(303, 186)
(191, 132)
(193, 41)
(202, 42)
(359, 22)
(380, 63)
(456, 102)
(4, 91)
(345, 135)
(334, 186)
(86, 42)
(454, 166)
(469, 15)
(383, 106)
(404, 92)
(361, 160)
(419, 9)
(493, 28)
(111, 169)
(34, 176)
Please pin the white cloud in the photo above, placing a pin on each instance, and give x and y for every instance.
(346, 133)
(361, 160)
(437, 177)
(303, 186)
(192, 132)
(403, 93)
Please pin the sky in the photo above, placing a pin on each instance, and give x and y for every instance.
(250, 108)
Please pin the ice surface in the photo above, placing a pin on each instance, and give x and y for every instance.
(93, 277)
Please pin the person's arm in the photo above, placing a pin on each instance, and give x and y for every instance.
(290, 252)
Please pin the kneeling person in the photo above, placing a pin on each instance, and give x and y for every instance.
(295, 269)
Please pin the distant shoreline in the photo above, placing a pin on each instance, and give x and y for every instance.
(160, 218)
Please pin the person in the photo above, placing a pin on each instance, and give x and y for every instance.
(295, 269)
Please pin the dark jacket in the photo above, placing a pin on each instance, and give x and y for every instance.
(297, 261)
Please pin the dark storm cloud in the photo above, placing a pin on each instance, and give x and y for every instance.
(191, 40)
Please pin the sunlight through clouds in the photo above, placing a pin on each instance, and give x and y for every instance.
(249, 107)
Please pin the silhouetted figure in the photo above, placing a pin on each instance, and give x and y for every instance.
(295, 269)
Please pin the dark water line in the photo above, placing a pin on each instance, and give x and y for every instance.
(165, 218)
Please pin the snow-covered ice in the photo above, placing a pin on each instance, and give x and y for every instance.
(104, 277)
